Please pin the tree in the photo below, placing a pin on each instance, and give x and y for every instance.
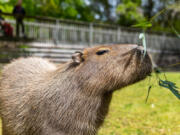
(129, 12)
(169, 19)
(68, 9)
(148, 9)
(104, 9)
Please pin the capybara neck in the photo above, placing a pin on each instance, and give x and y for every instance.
(83, 108)
(79, 82)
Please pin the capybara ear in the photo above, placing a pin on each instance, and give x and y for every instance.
(77, 57)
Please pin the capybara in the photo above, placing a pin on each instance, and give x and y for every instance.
(39, 98)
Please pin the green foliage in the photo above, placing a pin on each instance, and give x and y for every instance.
(144, 25)
(175, 31)
(5, 7)
(129, 13)
(68, 9)
(171, 86)
(157, 70)
(167, 19)
(165, 83)
(149, 89)
(102, 9)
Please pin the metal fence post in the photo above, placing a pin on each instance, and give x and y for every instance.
(90, 34)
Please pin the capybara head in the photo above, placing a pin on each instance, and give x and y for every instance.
(111, 67)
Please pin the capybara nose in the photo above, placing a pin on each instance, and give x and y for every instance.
(140, 49)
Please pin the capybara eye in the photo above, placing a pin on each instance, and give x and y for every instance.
(101, 52)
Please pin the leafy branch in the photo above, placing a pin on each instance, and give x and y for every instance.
(163, 83)
(171, 86)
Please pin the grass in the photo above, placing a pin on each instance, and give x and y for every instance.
(130, 115)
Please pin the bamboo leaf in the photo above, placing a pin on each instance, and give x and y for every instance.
(143, 25)
(175, 31)
(171, 86)
(149, 89)
(157, 70)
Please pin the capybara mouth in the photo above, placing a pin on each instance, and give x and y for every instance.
(145, 65)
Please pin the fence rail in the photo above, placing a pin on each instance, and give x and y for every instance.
(164, 49)
(92, 34)
(57, 31)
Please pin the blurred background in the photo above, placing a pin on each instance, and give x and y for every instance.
(43, 27)
(55, 29)
(122, 12)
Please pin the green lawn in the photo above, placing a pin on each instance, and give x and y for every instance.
(129, 115)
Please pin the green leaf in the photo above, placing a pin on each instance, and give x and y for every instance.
(175, 31)
(157, 70)
(23, 46)
(143, 25)
(170, 83)
(149, 89)
(171, 86)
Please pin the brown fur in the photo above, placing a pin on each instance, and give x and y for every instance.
(38, 98)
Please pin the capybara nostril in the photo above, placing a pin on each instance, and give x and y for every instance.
(140, 50)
